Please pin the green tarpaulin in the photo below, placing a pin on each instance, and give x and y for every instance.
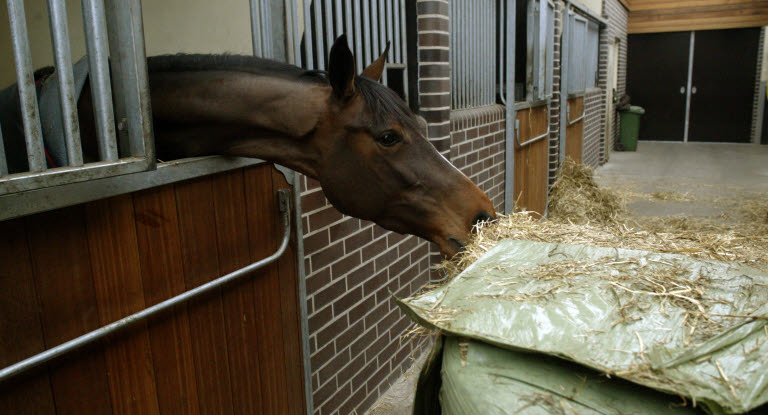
(663, 321)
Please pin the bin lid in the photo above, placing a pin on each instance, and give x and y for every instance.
(634, 109)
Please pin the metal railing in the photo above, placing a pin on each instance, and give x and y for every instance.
(473, 53)
(284, 198)
(368, 24)
(130, 148)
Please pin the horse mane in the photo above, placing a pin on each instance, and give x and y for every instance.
(383, 103)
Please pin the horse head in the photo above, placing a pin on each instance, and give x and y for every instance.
(375, 163)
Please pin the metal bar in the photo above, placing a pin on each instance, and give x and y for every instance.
(117, 73)
(564, 68)
(502, 54)
(266, 29)
(348, 23)
(130, 36)
(689, 85)
(390, 33)
(328, 23)
(319, 50)
(366, 33)
(358, 37)
(577, 119)
(339, 19)
(303, 314)
(99, 78)
(403, 37)
(3, 162)
(293, 40)
(397, 55)
(509, 156)
(377, 47)
(532, 140)
(255, 28)
(308, 55)
(383, 36)
(25, 365)
(57, 13)
(33, 135)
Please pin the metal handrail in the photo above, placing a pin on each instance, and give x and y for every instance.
(570, 122)
(284, 196)
(532, 140)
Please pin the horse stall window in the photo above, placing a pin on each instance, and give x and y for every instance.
(43, 143)
(473, 50)
(368, 24)
(534, 50)
(583, 42)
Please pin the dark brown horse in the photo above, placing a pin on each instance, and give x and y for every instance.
(351, 133)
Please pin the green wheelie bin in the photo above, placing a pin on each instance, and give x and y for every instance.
(630, 127)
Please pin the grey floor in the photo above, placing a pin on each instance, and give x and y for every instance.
(704, 174)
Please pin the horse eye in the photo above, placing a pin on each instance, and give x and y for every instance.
(389, 139)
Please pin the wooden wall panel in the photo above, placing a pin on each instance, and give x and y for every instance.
(649, 16)
(159, 240)
(574, 133)
(235, 351)
(197, 222)
(64, 279)
(119, 292)
(531, 162)
(21, 332)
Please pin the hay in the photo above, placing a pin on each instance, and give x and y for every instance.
(582, 213)
(577, 197)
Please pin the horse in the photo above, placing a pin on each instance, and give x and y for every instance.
(349, 132)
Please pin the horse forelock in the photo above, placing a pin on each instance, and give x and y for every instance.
(384, 104)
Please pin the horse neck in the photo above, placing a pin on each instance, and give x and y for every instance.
(238, 114)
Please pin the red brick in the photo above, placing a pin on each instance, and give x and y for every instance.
(376, 314)
(344, 228)
(333, 366)
(359, 275)
(319, 319)
(335, 401)
(349, 336)
(315, 242)
(389, 320)
(345, 265)
(330, 293)
(386, 259)
(363, 342)
(401, 264)
(357, 312)
(312, 201)
(327, 256)
(352, 404)
(327, 334)
(372, 285)
(343, 304)
(378, 377)
(323, 218)
(319, 358)
(322, 394)
(358, 240)
(312, 183)
(374, 249)
(318, 280)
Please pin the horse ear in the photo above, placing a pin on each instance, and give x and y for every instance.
(375, 69)
(341, 68)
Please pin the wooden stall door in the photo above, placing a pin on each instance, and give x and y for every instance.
(69, 271)
(574, 130)
(531, 165)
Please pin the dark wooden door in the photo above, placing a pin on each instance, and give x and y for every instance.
(657, 69)
(69, 271)
(723, 87)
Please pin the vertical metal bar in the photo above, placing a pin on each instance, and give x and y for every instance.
(338, 13)
(266, 29)
(397, 55)
(328, 23)
(130, 35)
(390, 31)
(293, 41)
(689, 85)
(383, 36)
(502, 55)
(255, 27)
(509, 156)
(348, 23)
(99, 78)
(57, 13)
(319, 50)
(33, 135)
(308, 49)
(358, 37)
(366, 33)
(376, 46)
(452, 56)
(565, 47)
(3, 162)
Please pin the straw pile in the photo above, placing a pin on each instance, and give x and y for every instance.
(582, 213)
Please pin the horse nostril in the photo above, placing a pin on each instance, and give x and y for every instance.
(482, 217)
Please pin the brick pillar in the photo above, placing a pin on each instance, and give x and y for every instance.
(433, 26)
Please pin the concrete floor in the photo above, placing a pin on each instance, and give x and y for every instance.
(708, 175)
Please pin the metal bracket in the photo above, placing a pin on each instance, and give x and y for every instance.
(284, 203)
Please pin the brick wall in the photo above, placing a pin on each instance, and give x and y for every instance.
(616, 14)
(477, 148)
(352, 266)
(594, 114)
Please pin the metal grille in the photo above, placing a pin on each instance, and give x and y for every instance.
(473, 53)
(118, 21)
(368, 24)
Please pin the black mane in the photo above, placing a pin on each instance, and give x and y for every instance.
(383, 103)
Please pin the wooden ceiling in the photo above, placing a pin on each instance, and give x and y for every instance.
(649, 16)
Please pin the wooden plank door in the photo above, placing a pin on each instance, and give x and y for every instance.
(531, 162)
(69, 271)
(574, 131)
(723, 87)
(657, 78)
